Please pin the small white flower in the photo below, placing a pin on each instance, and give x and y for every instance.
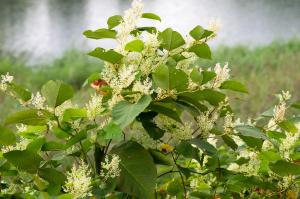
(79, 181)
(21, 128)
(143, 87)
(279, 112)
(94, 107)
(228, 122)
(214, 25)
(222, 74)
(6, 79)
(38, 100)
(110, 167)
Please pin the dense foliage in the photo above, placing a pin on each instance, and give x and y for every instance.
(157, 126)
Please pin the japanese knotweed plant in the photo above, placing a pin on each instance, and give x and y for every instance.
(156, 126)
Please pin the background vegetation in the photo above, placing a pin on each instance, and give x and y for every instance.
(265, 70)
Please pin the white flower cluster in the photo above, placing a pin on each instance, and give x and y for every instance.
(130, 19)
(287, 144)
(144, 87)
(222, 74)
(110, 167)
(162, 94)
(5, 79)
(79, 181)
(206, 121)
(20, 145)
(214, 25)
(94, 106)
(38, 101)
(228, 123)
(174, 131)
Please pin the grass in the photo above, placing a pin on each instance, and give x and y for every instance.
(265, 70)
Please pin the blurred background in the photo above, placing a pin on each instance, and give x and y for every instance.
(42, 39)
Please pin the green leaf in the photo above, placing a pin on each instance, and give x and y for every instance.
(147, 121)
(135, 160)
(187, 150)
(211, 96)
(20, 92)
(250, 131)
(114, 21)
(284, 168)
(207, 76)
(100, 34)
(151, 16)
(234, 86)
(7, 137)
(135, 46)
(57, 92)
(296, 105)
(197, 32)
(205, 146)
(201, 50)
(161, 158)
(76, 138)
(36, 144)
(125, 112)
(109, 56)
(29, 117)
(24, 160)
(53, 146)
(52, 176)
(74, 114)
(160, 108)
(112, 131)
(169, 78)
(171, 39)
(196, 76)
(288, 126)
(230, 142)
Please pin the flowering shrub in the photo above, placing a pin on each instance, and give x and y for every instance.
(157, 126)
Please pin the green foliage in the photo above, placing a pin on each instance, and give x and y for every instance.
(157, 126)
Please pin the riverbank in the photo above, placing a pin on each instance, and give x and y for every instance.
(265, 70)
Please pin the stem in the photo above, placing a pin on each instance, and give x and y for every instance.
(182, 180)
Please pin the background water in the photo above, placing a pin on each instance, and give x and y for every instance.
(46, 28)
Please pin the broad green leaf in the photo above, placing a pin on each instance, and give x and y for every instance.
(250, 131)
(169, 78)
(288, 126)
(152, 129)
(52, 175)
(151, 16)
(135, 46)
(57, 92)
(211, 96)
(73, 114)
(204, 145)
(125, 112)
(230, 142)
(197, 32)
(296, 105)
(235, 86)
(7, 137)
(138, 171)
(187, 150)
(53, 146)
(76, 138)
(201, 50)
(24, 160)
(20, 92)
(100, 34)
(112, 131)
(29, 117)
(196, 76)
(160, 108)
(114, 21)
(36, 145)
(161, 158)
(207, 76)
(171, 39)
(109, 56)
(284, 168)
